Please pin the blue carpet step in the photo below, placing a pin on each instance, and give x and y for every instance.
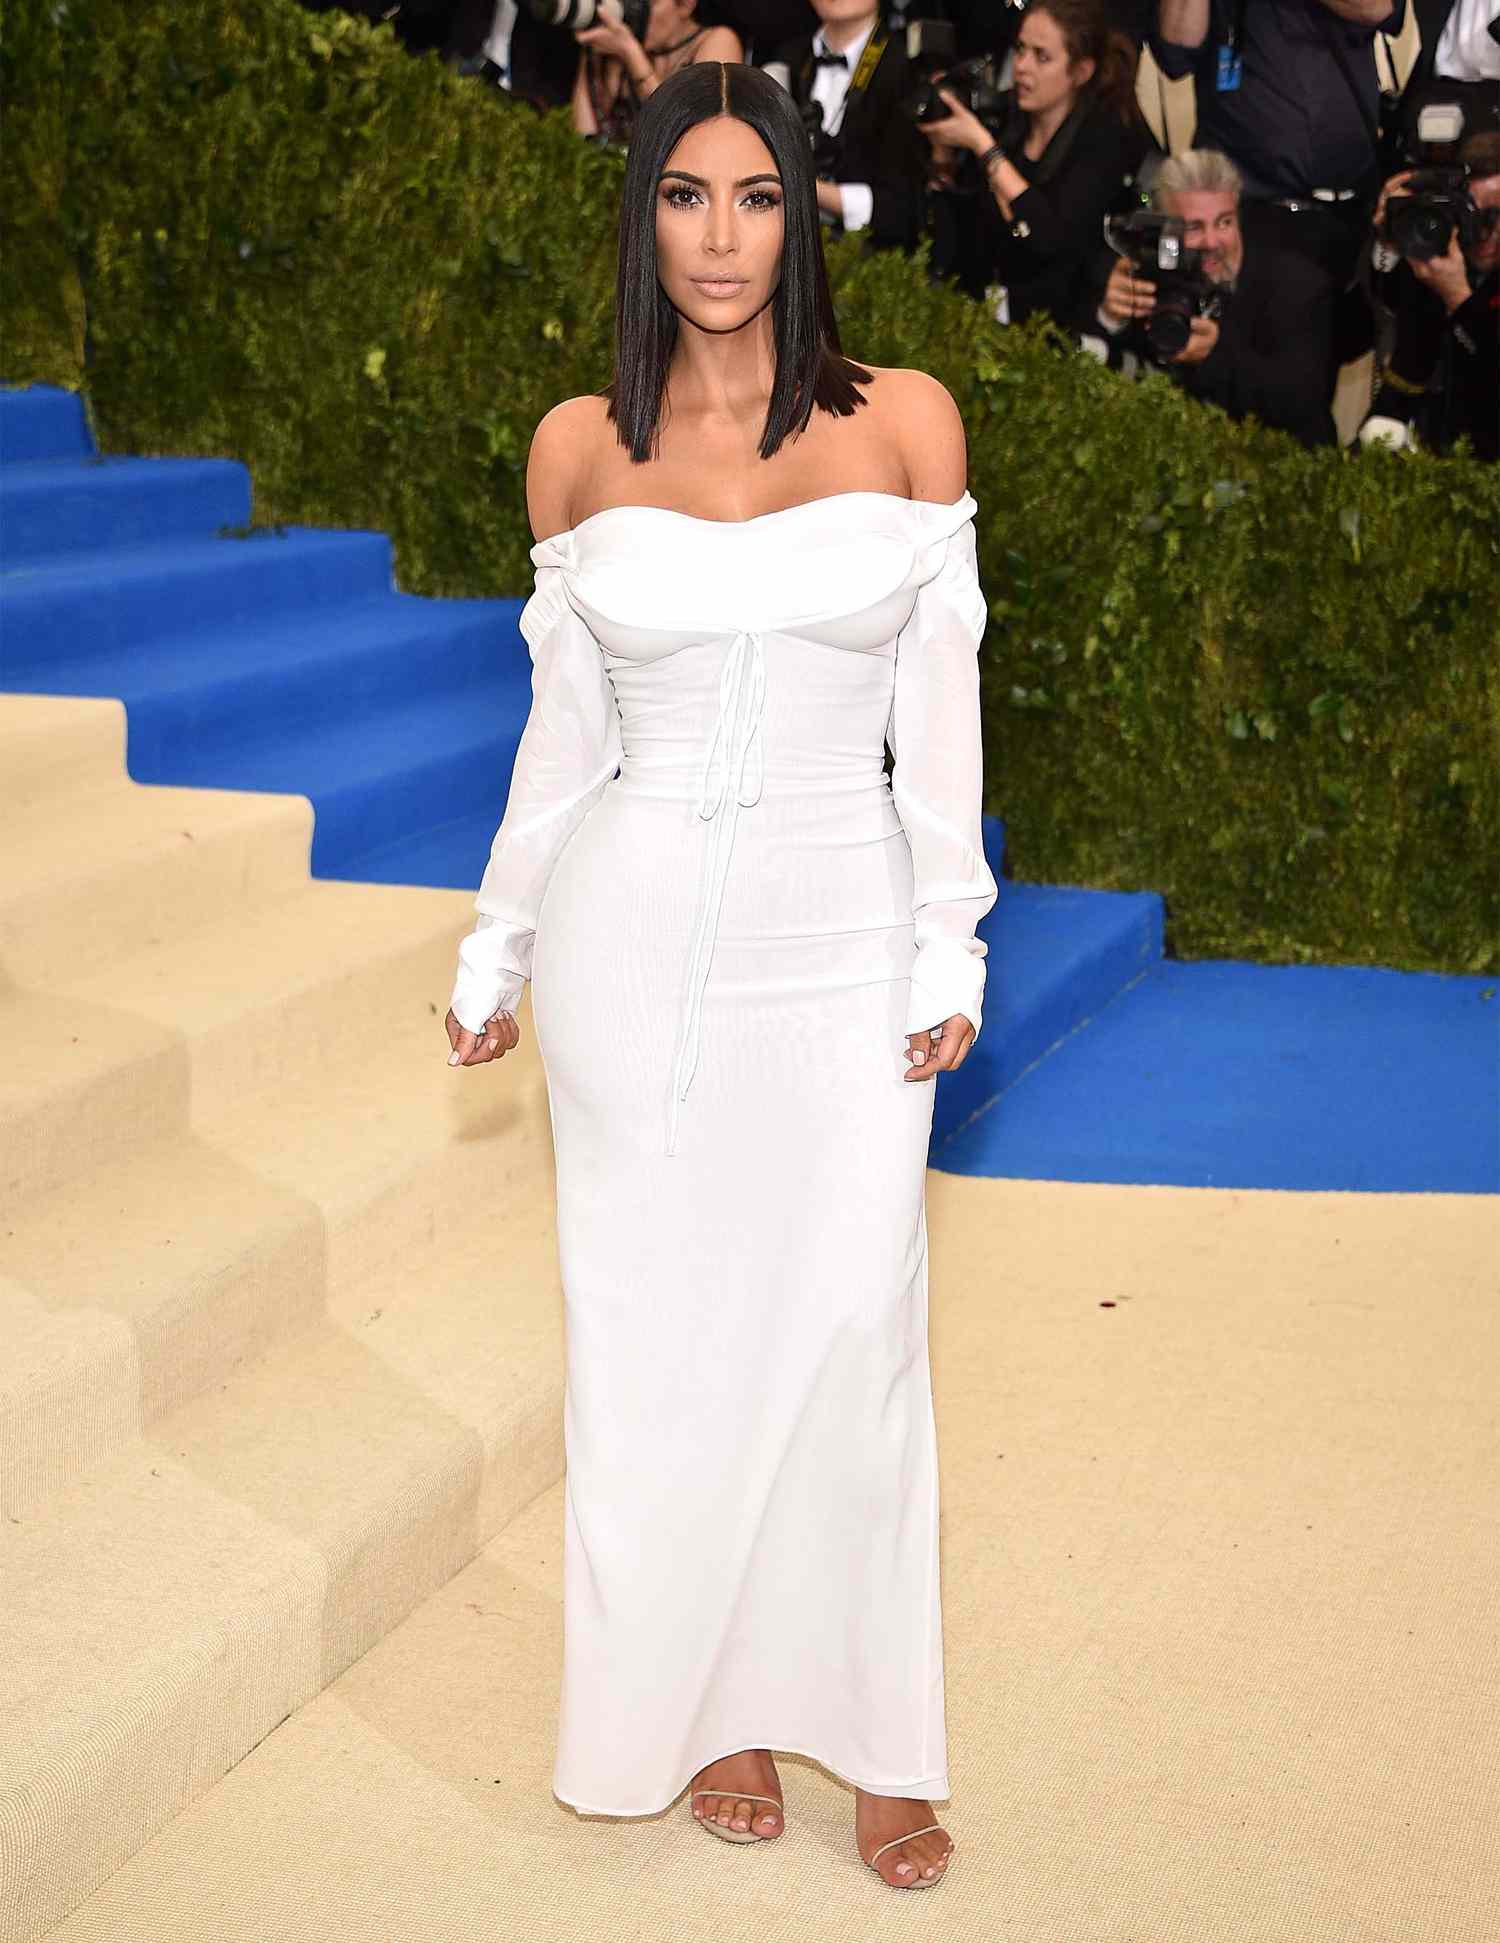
(188, 695)
(375, 777)
(448, 856)
(42, 422)
(52, 508)
(1057, 956)
(117, 600)
(1211, 1073)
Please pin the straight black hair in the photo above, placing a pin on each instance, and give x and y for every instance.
(810, 366)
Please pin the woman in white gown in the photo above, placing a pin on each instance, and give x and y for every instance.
(750, 952)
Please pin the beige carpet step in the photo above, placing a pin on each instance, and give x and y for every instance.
(394, 1147)
(140, 1285)
(280, 989)
(81, 1083)
(133, 1289)
(51, 746)
(164, 1613)
(102, 870)
(1219, 1574)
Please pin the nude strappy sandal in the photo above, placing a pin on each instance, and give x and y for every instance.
(736, 1834)
(917, 1881)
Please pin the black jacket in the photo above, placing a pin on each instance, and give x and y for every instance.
(1044, 254)
(543, 60)
(1444, 373)
(1268, 363)
(878, 142)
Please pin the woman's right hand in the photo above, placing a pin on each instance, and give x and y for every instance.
(501, 1035)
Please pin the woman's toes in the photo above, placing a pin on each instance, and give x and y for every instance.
(769, 1822)
(741, 1816)
(897, 1866)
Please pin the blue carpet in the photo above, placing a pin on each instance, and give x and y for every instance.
(1215, 1074)
(286, 660)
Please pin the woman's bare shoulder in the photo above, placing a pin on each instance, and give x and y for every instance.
(916, 412)
(563, 448)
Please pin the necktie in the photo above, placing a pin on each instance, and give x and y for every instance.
(830, 60)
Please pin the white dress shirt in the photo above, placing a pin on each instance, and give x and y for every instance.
(1465, 51)
(830, 87)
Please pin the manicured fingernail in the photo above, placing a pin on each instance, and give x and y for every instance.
(455, 1058)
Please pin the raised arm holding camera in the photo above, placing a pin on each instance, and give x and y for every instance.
(631, 46)
(1050, 156)
(1442, 382)
(1236, 323)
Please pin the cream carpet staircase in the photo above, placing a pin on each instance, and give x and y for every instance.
(277, 1287)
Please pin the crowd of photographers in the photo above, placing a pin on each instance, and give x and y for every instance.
(1321, 211)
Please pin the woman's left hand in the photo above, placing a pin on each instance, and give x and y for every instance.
(613, 37)
(961, 129)
(941, 1049)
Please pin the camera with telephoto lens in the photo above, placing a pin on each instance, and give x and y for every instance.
(1434, 204)
(577, 15)
(1152, 244)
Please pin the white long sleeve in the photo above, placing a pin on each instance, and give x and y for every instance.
(938, 785)
(569, 750)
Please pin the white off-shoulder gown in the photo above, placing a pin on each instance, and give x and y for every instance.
(731, 919)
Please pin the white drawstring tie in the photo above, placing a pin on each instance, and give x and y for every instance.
(736, 737)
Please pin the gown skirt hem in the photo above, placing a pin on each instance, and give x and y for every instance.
(929, 1788)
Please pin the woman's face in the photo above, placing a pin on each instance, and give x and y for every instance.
(668, 21)
(719, 224)
(1044, 76)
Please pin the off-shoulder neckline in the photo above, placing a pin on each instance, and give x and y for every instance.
(758, 519)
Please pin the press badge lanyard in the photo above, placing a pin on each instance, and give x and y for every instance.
(1232, 51)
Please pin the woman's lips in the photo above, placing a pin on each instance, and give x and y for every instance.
(720, 286)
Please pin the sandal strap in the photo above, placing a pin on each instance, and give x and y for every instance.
(738, 1794)
(897, 1840)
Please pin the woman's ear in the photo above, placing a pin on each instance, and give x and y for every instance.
(1082, 72)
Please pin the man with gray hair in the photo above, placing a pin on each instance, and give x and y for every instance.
(1263, 354)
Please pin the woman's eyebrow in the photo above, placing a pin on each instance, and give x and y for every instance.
(703, 183)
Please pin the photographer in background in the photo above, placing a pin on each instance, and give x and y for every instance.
(1443, 379)
(849, 80)
(1234, 324)
(504, 44)
(1051, 158)
(1290, 91)
(632, 46)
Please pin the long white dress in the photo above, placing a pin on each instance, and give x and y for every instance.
(728, 941)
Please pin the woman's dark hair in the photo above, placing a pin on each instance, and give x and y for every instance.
(1089, 34)
(810, 366)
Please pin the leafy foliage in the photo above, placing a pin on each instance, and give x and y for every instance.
(1262, 681)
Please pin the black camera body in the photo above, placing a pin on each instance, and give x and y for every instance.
(824, 146)
(1153, 246)
(1434, 208)
(577, 15)
(973, 82)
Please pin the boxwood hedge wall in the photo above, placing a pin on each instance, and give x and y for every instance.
(1262, 681)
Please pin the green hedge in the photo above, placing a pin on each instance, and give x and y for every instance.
(1262, 681)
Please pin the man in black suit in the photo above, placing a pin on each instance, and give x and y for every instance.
(1262, 356)
(501, 42)
(873, 162)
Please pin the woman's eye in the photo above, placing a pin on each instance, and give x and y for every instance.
(669, 196)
